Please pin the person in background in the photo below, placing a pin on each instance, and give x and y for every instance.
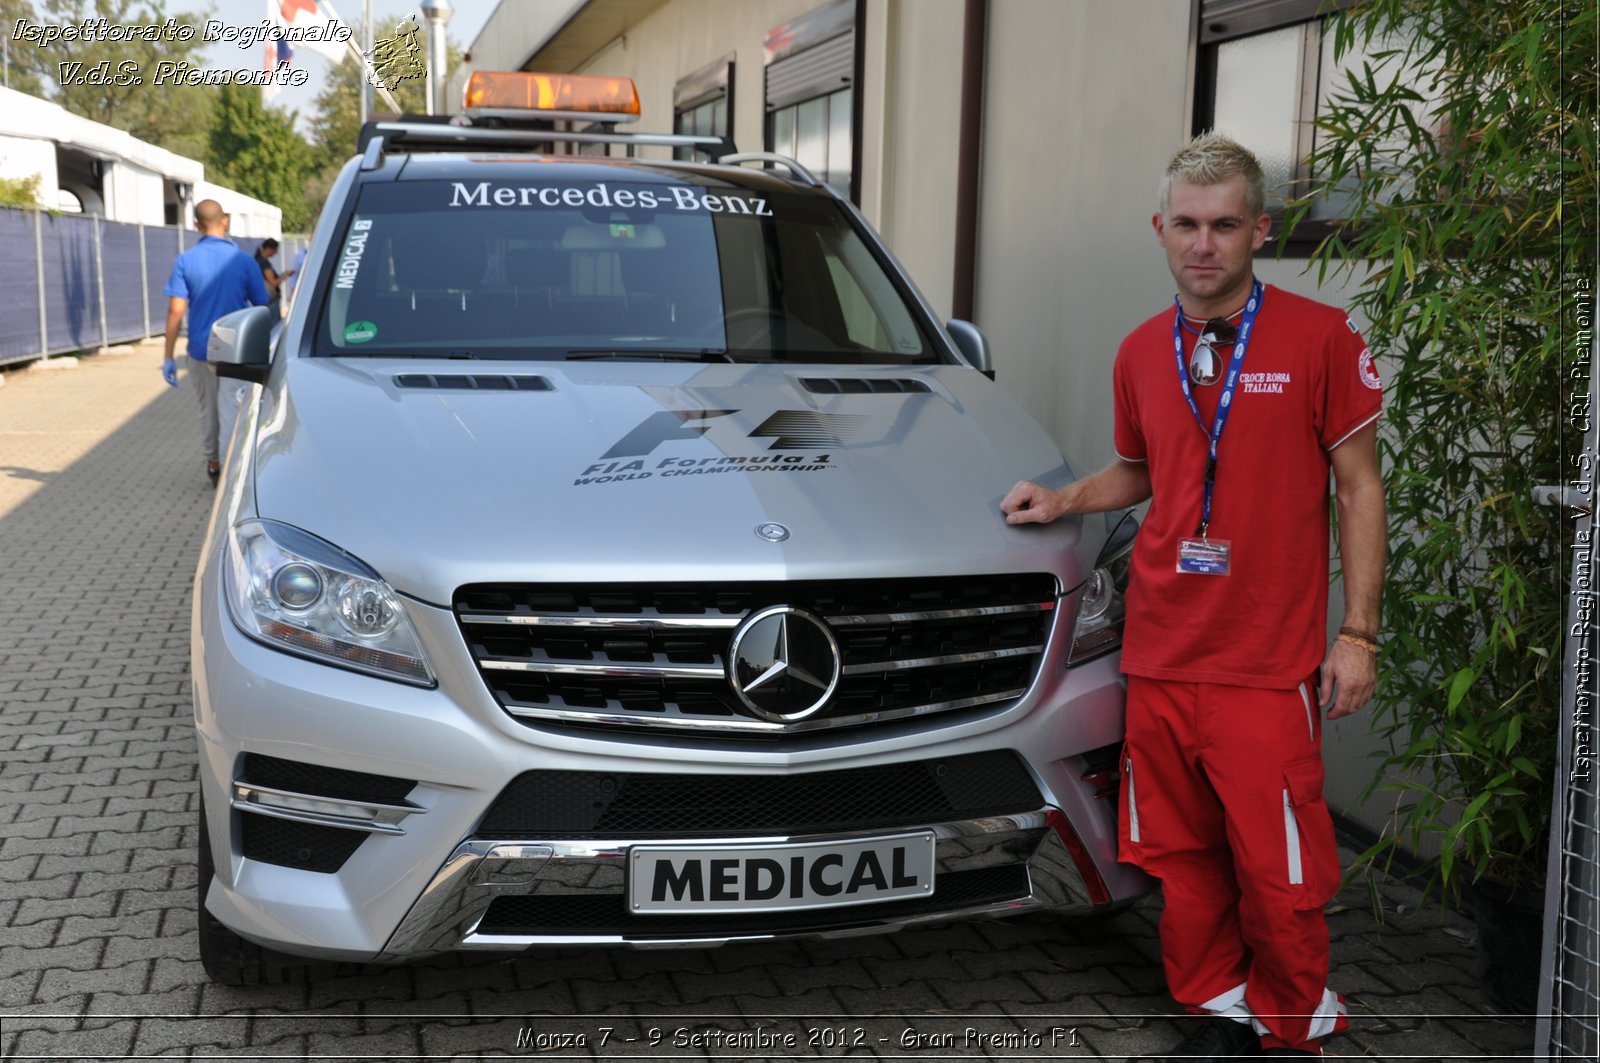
(209, 280)
(1231, 408)
(269, 274)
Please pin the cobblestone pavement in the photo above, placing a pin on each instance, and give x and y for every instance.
(102, 501)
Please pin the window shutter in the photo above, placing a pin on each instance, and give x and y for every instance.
(817, 71)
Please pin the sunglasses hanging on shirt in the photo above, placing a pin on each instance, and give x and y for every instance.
(1205, 364)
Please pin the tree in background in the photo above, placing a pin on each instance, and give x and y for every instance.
(20, 191)
(336, 125)
(1461, 155)
(255, 149)
(175, 117)
(21, 73)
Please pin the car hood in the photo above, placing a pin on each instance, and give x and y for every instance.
(438, 475)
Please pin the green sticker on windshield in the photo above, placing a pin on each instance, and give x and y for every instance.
(624, 232)
(360, 332)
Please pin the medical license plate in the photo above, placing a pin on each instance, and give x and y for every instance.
(770, 878)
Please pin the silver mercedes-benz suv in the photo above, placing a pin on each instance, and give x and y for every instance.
(609, 552)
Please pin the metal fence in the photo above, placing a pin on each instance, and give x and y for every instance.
(74, 282)
(1569, 987)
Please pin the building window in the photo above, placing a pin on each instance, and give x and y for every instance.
(702, 104)
(1266, 70)
(810, 79)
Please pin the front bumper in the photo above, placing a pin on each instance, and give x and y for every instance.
(575, 893)
(421, 879)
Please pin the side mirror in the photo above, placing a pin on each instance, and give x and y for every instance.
(973, 347)
(240, 345)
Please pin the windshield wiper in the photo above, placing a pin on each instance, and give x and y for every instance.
(596, 354)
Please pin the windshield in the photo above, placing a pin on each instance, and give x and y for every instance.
(564, 269)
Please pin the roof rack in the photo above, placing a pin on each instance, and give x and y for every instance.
(381, 137)
(774, 159)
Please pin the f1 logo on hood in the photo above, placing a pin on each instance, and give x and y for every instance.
(661, 427)
(788, 430)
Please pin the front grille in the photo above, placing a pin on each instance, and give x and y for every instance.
(597, 805)
(306, 846)
(588, 914)
(655, 655)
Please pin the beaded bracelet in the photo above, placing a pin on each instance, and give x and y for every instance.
(1370, 647)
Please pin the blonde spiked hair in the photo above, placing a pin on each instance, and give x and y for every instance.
(1210, 159)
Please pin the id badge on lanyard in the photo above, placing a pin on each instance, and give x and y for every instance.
(1200, 554)
(1204, 557)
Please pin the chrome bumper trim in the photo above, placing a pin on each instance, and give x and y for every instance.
(349, 813)
(729, 723)
(447, 915)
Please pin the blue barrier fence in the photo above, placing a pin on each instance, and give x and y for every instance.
(73, 282)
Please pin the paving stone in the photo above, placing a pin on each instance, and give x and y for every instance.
(842, 974)
(477, 1039)
(51, 865)
(391, 1043)
(20, 869)
(129, 978)
(176, 901)
(18, 989)
(35, 813)
(160, 1035)
(76, 928)
(288, 998)
(71, 1039)
(636, 963)
(35, 908)
(977, 995)
(165, 839)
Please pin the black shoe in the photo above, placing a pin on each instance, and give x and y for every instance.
(213, 470)
(1217, 1039)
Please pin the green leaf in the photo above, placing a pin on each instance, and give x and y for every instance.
(1459, 687)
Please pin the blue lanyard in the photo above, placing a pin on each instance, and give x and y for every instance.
(1225, 402)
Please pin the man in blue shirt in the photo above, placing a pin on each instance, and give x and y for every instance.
(209, 280)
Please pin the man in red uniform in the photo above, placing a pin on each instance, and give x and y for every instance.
(1231, 408)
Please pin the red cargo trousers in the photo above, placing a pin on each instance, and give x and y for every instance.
(1222, 801)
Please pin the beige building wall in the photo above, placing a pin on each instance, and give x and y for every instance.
(1076, 134)
(685, 35)
(910, 159)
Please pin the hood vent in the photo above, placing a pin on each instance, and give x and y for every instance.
(475, 382)
(863, 385)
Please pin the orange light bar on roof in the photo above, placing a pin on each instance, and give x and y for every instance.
(578, 96)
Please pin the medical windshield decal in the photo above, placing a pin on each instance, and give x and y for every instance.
(355, 245)
(684, 199)
(795, 435)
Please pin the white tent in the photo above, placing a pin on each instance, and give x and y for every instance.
(88, 167)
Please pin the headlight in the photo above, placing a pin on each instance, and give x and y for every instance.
(296, 592)
(1098, 629)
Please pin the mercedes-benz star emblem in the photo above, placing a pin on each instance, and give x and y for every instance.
(783, 663)
(772, 533)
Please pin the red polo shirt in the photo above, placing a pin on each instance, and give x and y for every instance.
(1307, 384)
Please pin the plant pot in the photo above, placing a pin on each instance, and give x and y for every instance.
(1510, 936)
